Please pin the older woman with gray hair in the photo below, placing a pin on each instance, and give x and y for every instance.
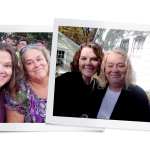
(31, 98)
(121, 98)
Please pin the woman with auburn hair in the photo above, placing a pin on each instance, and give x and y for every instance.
(76, 91)
(122, 99)
(31, 98)
(8, 76)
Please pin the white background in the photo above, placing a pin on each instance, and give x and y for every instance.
(42, 12)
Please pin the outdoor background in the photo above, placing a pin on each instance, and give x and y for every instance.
(135, 43)
(30, 37)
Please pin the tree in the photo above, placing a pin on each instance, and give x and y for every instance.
(78, 34)
(34, 37)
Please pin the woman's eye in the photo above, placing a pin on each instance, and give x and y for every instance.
(121, 65)
(110, 66)
(28, 63)
(94, 59)
(39, 59)
(8, 66)
(83, 58)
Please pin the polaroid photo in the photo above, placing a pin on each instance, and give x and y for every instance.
(99, 75)
(13, 109)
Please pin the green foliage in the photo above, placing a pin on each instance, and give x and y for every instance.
(34, 37)
(31, 37)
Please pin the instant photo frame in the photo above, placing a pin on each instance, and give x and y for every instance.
(123, 35)
(24, 126)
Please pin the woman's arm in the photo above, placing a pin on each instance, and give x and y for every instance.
(13, 116)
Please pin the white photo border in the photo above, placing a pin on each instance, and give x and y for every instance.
(25, 126)
(87, 122)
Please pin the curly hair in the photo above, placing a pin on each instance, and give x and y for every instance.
(97, 51)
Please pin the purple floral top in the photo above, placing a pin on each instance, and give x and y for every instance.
(28, 103)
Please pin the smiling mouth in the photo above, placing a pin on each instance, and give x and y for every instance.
(38, 69)
(115, 76)
(89, 70)
(2, 77)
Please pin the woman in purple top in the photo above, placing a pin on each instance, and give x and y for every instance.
(31, 98)
(8, 75)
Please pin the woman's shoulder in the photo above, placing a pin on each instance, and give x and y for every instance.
(136, 88)
(68, 76)
(138, 91)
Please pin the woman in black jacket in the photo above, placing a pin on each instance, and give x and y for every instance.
(76, 92)
(122, 99)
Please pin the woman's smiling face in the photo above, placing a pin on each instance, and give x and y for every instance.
(88, 63)
(5, 67)
(115, 69)
(35, 64)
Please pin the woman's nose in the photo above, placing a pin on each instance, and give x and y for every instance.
(115, 68)
(36, 64)
(88, 61)
(1, 68)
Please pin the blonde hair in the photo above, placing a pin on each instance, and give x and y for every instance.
(129, 77)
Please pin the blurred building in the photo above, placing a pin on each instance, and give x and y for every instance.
(136, 43)
(66, 49)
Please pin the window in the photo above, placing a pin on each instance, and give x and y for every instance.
(60, 57)
(124, 44)
(138, 42)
